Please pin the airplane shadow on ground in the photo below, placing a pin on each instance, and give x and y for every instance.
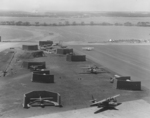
(104, 109)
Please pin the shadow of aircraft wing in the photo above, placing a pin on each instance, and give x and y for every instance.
(106, 108)
(100, 110)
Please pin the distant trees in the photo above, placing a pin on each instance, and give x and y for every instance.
(67, 23)
(143, 24)
(91, 23)
(45, 24)
(128, 24)
(82, 23)
(60, 24)
(19, 23)
(26, 24)
(54, 24)
(37, 24)
(74, 23)
(12, 23)
(118, 24)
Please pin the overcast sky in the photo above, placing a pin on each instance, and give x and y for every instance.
(75, 5)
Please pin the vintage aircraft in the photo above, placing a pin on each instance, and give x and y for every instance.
(94, 70)
(105, 104)
(88, 48)
(46, 47)
(42, 102)
(36, 67)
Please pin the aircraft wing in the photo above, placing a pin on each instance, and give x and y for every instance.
(55, 103)
(98, 102)
(104, 100)
(113, 97)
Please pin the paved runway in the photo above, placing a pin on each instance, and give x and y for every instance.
(125, 60)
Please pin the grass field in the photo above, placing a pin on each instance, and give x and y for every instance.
(75, 92)
(76, 33)
(77, 20)
(8, 33)
(125, 60)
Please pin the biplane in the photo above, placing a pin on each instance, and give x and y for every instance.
(37, 67)
(46, 47)
(105, 104)
(42, 102)
(93, 70)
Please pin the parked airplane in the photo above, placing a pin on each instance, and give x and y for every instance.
(105, 104)
(36, 67)
(88, 48)
(94, 70)
(42, 102)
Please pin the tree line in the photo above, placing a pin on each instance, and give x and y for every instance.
(67, 23)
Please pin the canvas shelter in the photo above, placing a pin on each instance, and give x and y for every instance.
(38, 53)
(64, 51)
(43, 78)
(43, 43)
(29, 47)
(75, 58)
(29, 64)
(41, 94)
(129, 85)
(125, 83)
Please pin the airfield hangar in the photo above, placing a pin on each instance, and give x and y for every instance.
(29, 47)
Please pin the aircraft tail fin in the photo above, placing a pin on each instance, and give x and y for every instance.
(93, 99)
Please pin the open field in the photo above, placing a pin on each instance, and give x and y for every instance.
(125, 60)
(132, 60)
(77, 33)
(13, 33)
(75, 92)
